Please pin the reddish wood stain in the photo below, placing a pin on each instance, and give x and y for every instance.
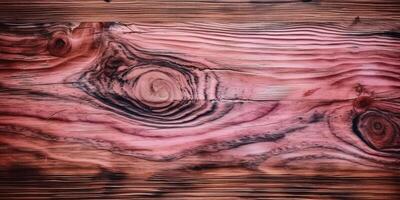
(151, 102)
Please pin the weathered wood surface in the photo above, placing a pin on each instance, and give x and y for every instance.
(221, 105)
(376, 12)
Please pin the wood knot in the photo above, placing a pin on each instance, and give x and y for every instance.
(156, 93)
(59, 44)
(378, 130)
(362, 103)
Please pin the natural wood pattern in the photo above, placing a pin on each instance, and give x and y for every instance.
(217, 100)
(145, 101)
(255, 186)
(373, 13)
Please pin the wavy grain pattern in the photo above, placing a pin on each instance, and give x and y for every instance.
(179, 110)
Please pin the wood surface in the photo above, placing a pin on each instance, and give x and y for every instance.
(200, 100)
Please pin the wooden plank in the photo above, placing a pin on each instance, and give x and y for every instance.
(379, 13)
(195, 100)
(140, 101)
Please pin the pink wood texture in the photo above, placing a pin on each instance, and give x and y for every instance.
(150, 100)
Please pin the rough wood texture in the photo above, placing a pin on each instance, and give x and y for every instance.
(216, 109)
(376, 12)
